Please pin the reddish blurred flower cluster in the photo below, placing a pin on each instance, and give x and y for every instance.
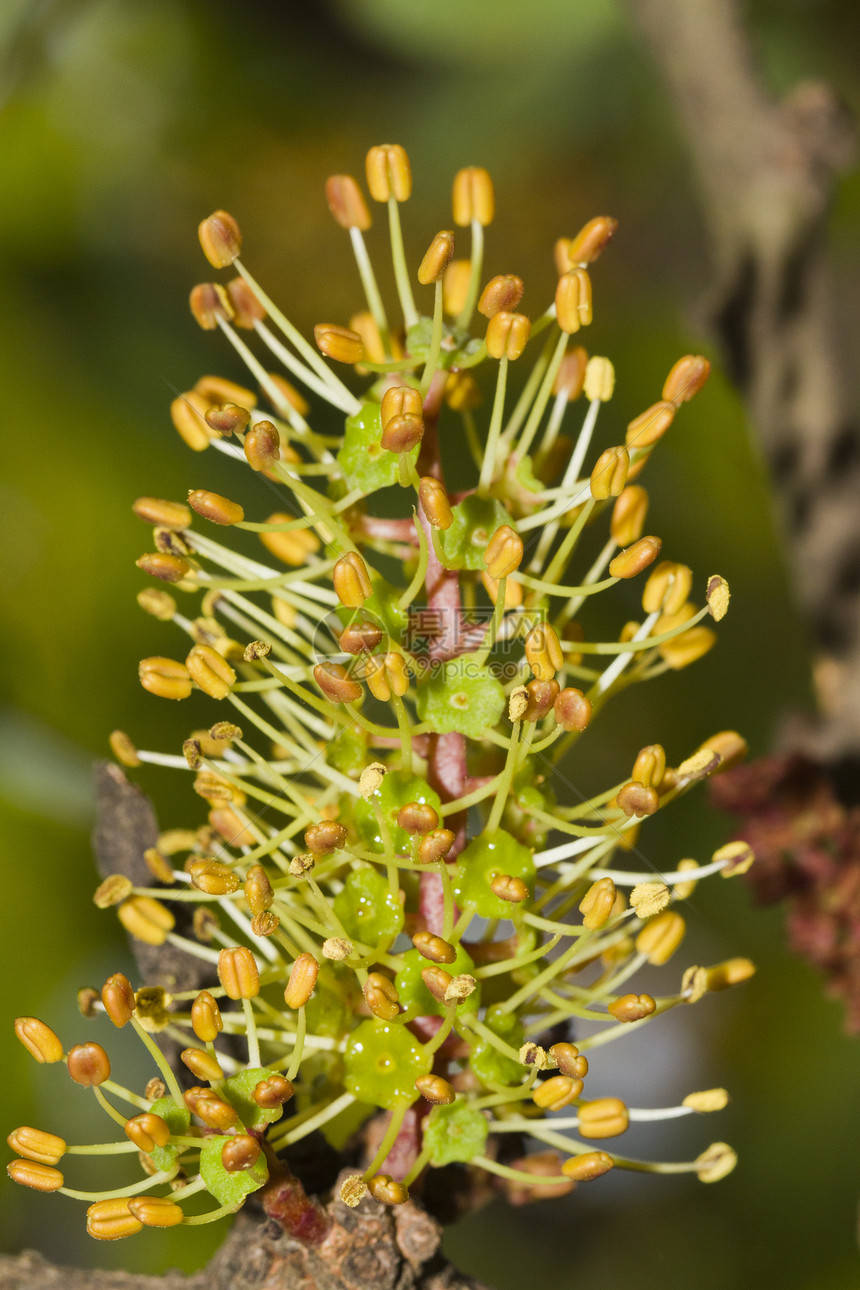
(807, 847)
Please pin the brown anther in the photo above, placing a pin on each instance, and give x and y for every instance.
(710, 1099)
(557, 1092)
(346, 202)
(434, 500)
(543, 651)
(337, 948)
(401, 401)
(437, 981)
(324, 838)
(660, 938)
(730, 747)
(159, 603)
(146, 919)
(650, 425)
(573, 300)
(30, 1173)
(36, 1144)
(716, 1162)
(258, 890)
(629, 563)
(209, 302)
(571, 374)
(687, 648)
(718, 597)
(386, 674)
(156, 1211)
(303, 979)
(147, 1131)
(606, 1117)
(238, 973)
(628, 521)
(220, 238)
(435, 1089)
(381, 996)
(192, 753)
(167, 515)
(110, 1220)
(455, 286)
(650, 765)
(374, 349)
(731, 972)
(155, 1089)
(686, 378)
(504, 552)
(569, 1060)
(572, 709)
(211, 1109)
(265, 924)
(587, 1166)
(112, 891)
(462, 392)
(610, 473)
(637, 799)
(667, 588)
(213, 877)
(599, 379)
(204, 924)
(509, 888)
(434, 846)
(228, 419)
(460, 988)
(533, 1055)
(591, 240)
(597, 903)
(187, 412)
(360, 637)
(87, 1000)
(262, 445)
(389, 173)
(240, 1152)
(472, 197)
(507, 334)
(214, 507)
(210, 671)
(351, 580)
(434, 948)
(39, 1039)
(247, 309)
(402, 434)
(735, 857)
(503, 292)
(353, 1190)
(88, 1064)
(340, 344)
(336, 684)
(387, 1190)
(273, 1091)
(256, 650)
(118, 999)
(158, 564)
(518, 703)
(165, 677)
(171, 542)
(632, 1007)
(417, 817)
(437, 257)
(301, 864)
(206, 1017)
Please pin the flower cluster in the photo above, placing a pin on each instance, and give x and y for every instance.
(397, 911)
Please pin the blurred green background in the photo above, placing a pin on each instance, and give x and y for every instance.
(123, 123)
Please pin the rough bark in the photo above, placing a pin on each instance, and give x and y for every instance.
(368, 1248)
(767, 173)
